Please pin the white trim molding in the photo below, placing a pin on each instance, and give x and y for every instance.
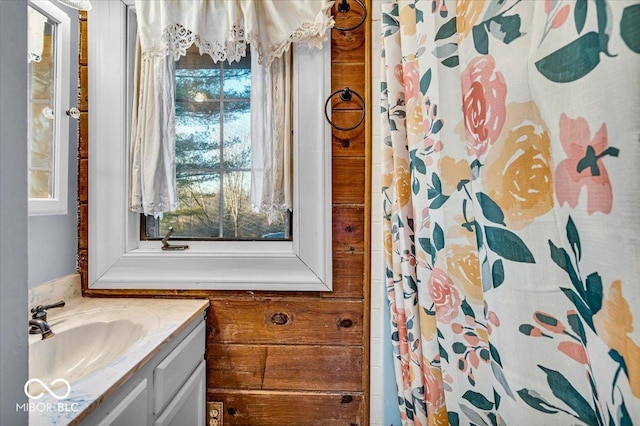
(117, 257)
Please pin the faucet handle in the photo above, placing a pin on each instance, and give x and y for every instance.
(40, 311)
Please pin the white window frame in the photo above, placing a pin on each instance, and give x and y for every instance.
(57, 205)
(117, 257)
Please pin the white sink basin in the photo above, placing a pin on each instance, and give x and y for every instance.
(83, 344)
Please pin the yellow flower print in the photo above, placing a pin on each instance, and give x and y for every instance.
(614, 323)
(439, 418)
(388, 243)
(464, 269)
(452, 172)
(408, 19)
(467, 14)
(403, 184)
(414, 119)
(428, 326)
(518, 169)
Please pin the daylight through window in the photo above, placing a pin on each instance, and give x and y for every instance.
(213, 156)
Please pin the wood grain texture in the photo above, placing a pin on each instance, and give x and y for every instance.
(351, 76)
(348, 180)
(83, 181)
(83, 135)
(264, 408)
(83, 98)
(350, 143)
(312, 368)
(348, 46)
(348, 228)
(83, 56)
(348, 275)
(286, 321)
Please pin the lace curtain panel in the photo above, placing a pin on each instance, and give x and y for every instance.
(221, 29)
(511, 228)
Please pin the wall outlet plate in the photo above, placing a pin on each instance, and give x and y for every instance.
(214, 413)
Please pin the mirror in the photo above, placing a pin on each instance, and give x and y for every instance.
(48, 132)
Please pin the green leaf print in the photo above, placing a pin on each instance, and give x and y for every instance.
(505, 28)
(580, 14)
(508, 245)
(451, 62)
(478, 400)
(577, 327)
(490, 209)
(497, 273)
(438, 237)
(594, 292)
(629, 28)
(564, 390)
(535, 401)
(580, 305)
(454, 419)
(480, 39)
(624, 416)
(425, 82)
(447, 30)
(574, 238)
(573, 61)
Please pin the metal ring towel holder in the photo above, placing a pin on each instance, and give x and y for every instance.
(344, 7)
(345, 96)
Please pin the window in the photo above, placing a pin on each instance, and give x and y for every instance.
(213, 156)
(48, 85)
(119, 258)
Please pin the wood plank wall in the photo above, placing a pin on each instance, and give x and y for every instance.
(289, 358)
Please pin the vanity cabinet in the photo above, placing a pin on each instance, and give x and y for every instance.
(167, 390)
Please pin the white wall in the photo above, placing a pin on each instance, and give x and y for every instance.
(13, 210)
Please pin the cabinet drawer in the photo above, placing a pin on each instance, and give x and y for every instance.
(170, 374)
(132, 410)
(187, 408)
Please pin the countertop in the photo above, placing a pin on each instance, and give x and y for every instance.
(167, 316)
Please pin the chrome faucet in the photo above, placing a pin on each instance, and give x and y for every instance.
(38, 326)
(38, 323)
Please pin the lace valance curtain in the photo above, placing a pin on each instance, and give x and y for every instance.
(221, 29)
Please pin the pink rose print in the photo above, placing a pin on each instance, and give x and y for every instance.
(484, 92)
(584, 165)
(445, 297)
(411, 82)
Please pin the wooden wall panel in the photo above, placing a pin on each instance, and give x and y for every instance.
(289, 358)
(290, 408)
(348, 275)
(312, 368)
(349, 143)
(287, 321)
(348, 180)
(348, 228)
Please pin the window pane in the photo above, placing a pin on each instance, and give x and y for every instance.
(213, 155)
(237, 79)
(240, 221)
(198, 213)
(237, 135)
(197, 136)
(197, 85)
(41, 72)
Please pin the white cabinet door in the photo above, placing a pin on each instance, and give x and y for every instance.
(132, 410)
(188, 406)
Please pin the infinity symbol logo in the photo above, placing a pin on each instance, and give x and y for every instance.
(47, 389)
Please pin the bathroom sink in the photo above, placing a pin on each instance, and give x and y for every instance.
(83, 344)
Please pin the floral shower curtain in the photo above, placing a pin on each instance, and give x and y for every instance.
(511, 144)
